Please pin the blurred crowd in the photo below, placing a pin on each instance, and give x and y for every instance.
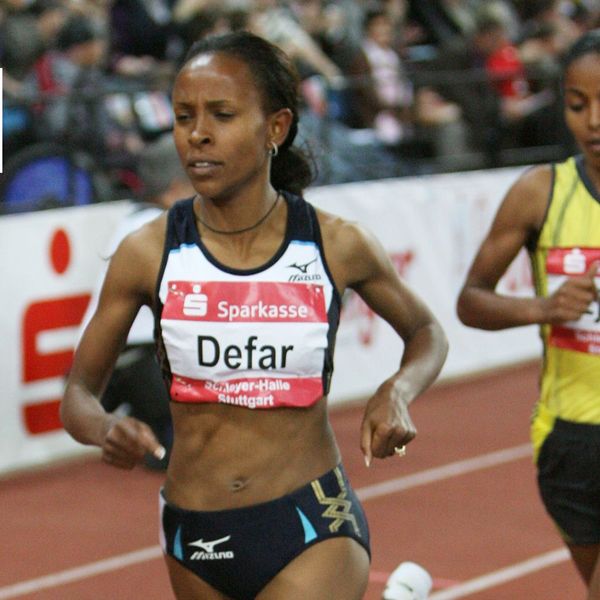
(388, 86)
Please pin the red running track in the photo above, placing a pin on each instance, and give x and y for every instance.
(463, 503)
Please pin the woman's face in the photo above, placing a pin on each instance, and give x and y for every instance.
(582, 105)
(221, 132)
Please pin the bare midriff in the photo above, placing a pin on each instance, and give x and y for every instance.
(228, 457)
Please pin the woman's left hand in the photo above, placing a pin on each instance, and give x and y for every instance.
(386, 425)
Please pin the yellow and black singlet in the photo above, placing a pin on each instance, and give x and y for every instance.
(568, 243)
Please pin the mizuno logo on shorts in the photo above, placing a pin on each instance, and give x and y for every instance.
(207, 550)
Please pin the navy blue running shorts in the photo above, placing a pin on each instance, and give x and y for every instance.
(239, 551)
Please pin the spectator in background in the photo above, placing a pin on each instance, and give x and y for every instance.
(459, 76)
(383, 94)
(345, 25)
(318, 72)
(164, 182)
(539, 45)
(540, 52)
(407, 32)
(68, 78)
(527, 118)
(314, 20)
(268, 20)
(77, 97)
(486, 77)
(386, 101)
(144, 38)
(27, 31)
(447, 21)
(550, 12)
(505, 68)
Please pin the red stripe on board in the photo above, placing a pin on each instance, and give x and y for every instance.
(42, 417)
(41, 317)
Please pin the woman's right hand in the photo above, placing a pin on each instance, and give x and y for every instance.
(126, 442)
(571, 299)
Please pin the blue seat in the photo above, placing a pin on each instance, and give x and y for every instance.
(47, 176)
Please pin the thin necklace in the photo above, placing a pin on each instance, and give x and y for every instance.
(244, 229)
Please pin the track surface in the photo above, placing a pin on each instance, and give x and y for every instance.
(463, 503)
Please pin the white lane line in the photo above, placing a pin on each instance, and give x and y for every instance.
(391, 486)
(82, 572)
(503, 575)
(460, 467)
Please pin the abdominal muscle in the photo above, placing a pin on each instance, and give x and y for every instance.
(228, 456)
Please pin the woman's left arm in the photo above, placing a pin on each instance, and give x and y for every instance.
(366, 268)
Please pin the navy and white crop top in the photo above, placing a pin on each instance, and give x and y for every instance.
(258, 338)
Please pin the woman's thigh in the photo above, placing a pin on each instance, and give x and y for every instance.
(187, 586)
(335, 569)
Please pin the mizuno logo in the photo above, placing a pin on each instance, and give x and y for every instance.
(209, 546)
(207, 550)
(302, 268)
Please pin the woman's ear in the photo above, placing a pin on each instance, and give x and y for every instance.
(279, 125)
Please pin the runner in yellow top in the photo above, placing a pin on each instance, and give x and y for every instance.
(569, 246)
(554, 211)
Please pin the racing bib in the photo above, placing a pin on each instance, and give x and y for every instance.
(582, 335)
(258, 344)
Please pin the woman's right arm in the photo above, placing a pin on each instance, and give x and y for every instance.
(520, 216)
(123, 441)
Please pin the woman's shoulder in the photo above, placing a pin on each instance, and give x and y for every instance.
(536, 179)
(335, 228)
(346, 241)
(526, 201)
(532, 188)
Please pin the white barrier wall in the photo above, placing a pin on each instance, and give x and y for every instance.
(431, 227)
(49, 263)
